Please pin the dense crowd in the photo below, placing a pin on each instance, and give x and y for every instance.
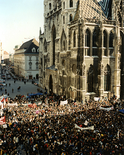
(49, 129)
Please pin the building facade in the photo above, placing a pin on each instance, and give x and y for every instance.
(81, 49)
(26, 59)
(6, 57)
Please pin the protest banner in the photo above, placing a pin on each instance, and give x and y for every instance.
(2, 120)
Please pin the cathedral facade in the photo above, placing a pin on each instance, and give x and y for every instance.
(81, 49)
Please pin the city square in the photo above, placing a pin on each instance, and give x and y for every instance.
(62, 90)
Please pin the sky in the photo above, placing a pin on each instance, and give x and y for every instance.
(20, 20)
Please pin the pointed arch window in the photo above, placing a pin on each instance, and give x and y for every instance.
(90, 79)
(63, 5)
(70, 17)
(94, 46)
(105, 42)
(63, 19)
(49, 6)
(45, 46)
(107, 78)
(111, 39)
(63, 41)
(74, 39)
(71, 3)
(87, 43)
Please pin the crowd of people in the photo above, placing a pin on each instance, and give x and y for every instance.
(50, 129)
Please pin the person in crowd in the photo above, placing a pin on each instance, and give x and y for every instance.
(49, 128)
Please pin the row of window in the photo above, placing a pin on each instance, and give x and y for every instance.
(94, 42)
(70, 5)
(30, 65)
(70, 18)
(91, 78)
(30, 58)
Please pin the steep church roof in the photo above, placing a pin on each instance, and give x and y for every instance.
(88, 9)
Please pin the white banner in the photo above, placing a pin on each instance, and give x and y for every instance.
(85, 128)
(12, 104)
(106, 109)
(96, 99)
(4, 125)
(62, 103)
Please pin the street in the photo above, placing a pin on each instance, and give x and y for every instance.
(25, 88)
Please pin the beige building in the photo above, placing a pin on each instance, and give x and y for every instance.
(26, 59)
(81, 49)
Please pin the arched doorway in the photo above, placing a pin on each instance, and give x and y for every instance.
(50, 84)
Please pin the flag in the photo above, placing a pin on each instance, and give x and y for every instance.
(22, 96)
(30, 105)
(2, 99)
(2, 120)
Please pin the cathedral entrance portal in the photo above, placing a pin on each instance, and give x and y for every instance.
(50, 84)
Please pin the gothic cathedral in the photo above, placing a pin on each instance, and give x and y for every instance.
(82, 48)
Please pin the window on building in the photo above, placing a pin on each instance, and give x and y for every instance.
(71, 3)
(63, 41)
(70, 17)
(87, 43)
(63, 19)
(94, 45)
(30, 65)
(105, 42)
(64, 45)
(63, 5)
(111, 37)
(107, 78)
(36, 65)
(90, 79)
(49, 6)
(74, 39)
(45, 46)
(38, 50)
(33, 49)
